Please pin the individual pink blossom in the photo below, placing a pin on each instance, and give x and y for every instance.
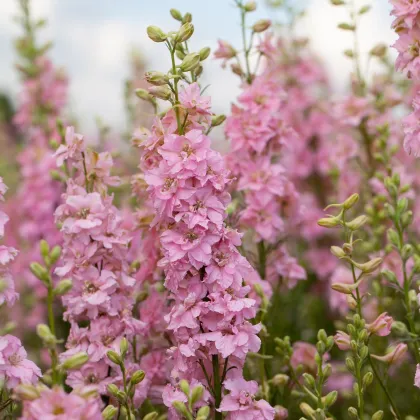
(381, 326)
(15, 368)
(56, 404)
(241, 402)
(72, 149)
(417, 377)
(395, 354)
(342, 340)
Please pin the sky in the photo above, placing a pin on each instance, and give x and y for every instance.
(93, 39)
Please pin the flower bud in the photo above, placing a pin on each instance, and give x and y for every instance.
(187, 18)
(350, 364)
(190, 62)
(184, 387)
(156, 34)
(407, 252)
(367, 379)
(55, 254)
(353, 413)
(250, 6)
(109, 412)
(237, 69)
(114, 357)
(161, 92)
(326, 371)
(137, 377)
(357, 223)
(143, 94)
(306, 409)
(399, 328)
(176, 14)
(370, 266)
(44, 248)
(390, 276)
(351, 201)
(123, 347)
(197, 394)
(156, 78)
(46, 335)
(113, 389)
(261, 25)
(330, 399)
(329, 222)
(63, 287)
(217, 120)
(26, 392)
(181, 409)
(204, 53)
(151, 416)
(342, 340)
(40, 272)
(338, 252)
(379, 415)
(337, 2)
(280, 380)
(76, 361)
(203, 413)
(185, 32)
(345, 287)
(394, 356)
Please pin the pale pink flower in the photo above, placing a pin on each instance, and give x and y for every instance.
(381, 326)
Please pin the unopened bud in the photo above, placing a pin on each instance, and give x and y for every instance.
(337, 2)
(63, 287)
(370, 266)
(176, 14)
(379, 415)
(280, 380)
(338, 252)
(46, 335)
(367, 379)
(390, 276)
(197, 394)
(237, 69)
(114, 357)
(55, 254)
(137, 377)
(181, 409)
(190, 62)
(161, 92)
(204, 53)
(351, 201)
(156, 34)
(156, 78)
(123, 347)
(203, 413)
(143, 94)
(187, 18)
(151, 416)
(306, 409)
(250, 6)
(40, 272)
(76, 361)
(345, 287)
(185, 32)
(44, 248)
(217, 120)
(109, 412)
(399, 328)
(357, 223)
(330, 399)
(353, 413)
(26, 392)
(113, 389)
(329, 222)
(261, 25)
(184, 387)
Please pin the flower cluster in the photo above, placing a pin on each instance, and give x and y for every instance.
(407, 25)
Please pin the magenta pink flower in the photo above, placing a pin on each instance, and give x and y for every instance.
(381, 326)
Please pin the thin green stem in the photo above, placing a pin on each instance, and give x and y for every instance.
(174, 72)
(127, 405)
(384, 388)
(217, 386)
(246, 48)
(51, 322)
(262, 259)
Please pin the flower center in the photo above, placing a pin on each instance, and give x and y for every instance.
(15, 359)
(168, 184)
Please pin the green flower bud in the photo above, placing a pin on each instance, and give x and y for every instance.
(190, 62)
(353, 413)
(327, 370)
(176, 14)
(156, 78)
(76, 361)
(330, 399)
(204, 53)
(161, 92)
(306, 409)
(351, 201)
(43, 331)
(357, 223)
(123, 347)
(197, 394)
(26, 392)
(203, 413)
(63, 287)
(40, 272)
(137, 377)
(151, 416)
(309, 380)
(338, 252)
(399, 328)
(187, 18)
(181, 409)
(261, 25)
(329, 222)
(337, 2)
(184, 387)
(114, 357)
(250, 6)
(407, 252)
(350, 365)
(156, 34)
(55, 254)
(217, 120)
(370, 266)
(390, 276)
(379, 415)
(109, 412)
(143, 94)
(367, 379)
(44, 248)
(185, 32)
(322, 335)
(280, 380)
(113, 389)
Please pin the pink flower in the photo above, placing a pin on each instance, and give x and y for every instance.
(241, 403)
(7, 289)
(417, 377)
(15, 368)
(304, 354)
(190, 97)
(224, 51)
(72, 149)
(342, 340)
(56, 404)
(381, 326)
(395, 354)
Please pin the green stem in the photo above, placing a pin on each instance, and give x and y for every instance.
(217, 386)
(246, 48)
(262, 259)
(127, 405)
(384, 388)
(178, 119)
(51, 322)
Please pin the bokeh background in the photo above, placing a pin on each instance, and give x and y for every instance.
(93, 40)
